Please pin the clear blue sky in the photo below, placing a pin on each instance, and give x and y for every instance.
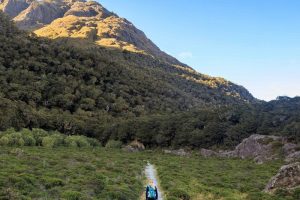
(254, 43)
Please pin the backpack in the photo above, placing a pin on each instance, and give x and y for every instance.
(151, 192)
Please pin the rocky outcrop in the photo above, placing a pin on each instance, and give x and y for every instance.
(88, 9)
(14, 7)
(289, 148)
(134, 146)
(40, 13)
(91, 17)
(179, 152)
(208, 153)
(293, 157)
(288, 177)
(260, 148)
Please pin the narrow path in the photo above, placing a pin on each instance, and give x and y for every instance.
(151, 174)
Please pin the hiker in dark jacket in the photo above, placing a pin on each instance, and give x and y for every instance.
(151, 191)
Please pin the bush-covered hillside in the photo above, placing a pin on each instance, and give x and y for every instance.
(118, 95)
(51, 85)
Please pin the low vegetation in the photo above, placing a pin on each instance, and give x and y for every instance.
(197, 178)
(69, 173)
(108, 173)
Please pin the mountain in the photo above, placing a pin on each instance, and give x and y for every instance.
(90, 25)
(66, 81)
(46, 83)
(84, 20)
(123, 94)
(14, 7)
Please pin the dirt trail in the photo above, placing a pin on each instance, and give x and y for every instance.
(151, 174)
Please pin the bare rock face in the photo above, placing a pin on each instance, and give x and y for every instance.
(40, 13)
(258, 147)
(288, 177)
(88, 9)
(14, 7)
(82, 19)
(293, 157)
(289, 148)
(179, 152)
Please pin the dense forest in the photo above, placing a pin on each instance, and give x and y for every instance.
(214, 127)
(112, 94)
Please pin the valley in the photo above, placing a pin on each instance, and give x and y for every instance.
(99, 173)
(91, 108)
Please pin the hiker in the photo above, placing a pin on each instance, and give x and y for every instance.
(151, 191)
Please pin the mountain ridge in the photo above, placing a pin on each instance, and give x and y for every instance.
(113, 31)
(87, 24)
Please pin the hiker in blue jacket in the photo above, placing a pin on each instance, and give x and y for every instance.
(151, 191)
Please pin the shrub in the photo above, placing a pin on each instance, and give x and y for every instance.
(59, 139)
(9, 131)
(296, 193)
(4, 141)
(113, 144)
(100, 181)
(29, 141)
(82, 141)
(93, 142)
(180, 194)
(26, 132)
(15, 139)
(48, 142)
(38, 135)
(50, 182)
(70, 141)
(117, 194)
(77, 141)
(72, 195)
(20, 142)
(282, 192)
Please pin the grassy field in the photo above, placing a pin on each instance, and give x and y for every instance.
(99, 173)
